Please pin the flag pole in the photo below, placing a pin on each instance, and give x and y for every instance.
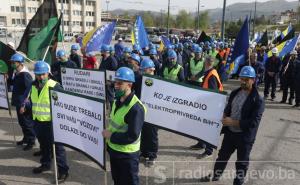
(55, 163)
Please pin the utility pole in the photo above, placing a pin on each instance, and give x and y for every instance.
(254, 20)
(107, 3)
(223, 21)
(168, 22)
(62, 18)
(198, 16)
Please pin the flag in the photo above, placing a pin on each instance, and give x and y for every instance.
(203, 38)
(138, 34)
(5, 53)
(289, 46)
(279, 47)
(285, 35)
(263, 41)
(102, 35)
(241, 43)
(87, 37)
(166, 42)
(42, 33)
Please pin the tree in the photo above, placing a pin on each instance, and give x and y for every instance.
(148, 19)
(204, 20)
(184, 20)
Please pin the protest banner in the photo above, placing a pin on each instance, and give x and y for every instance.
(83, 81)
(3, 93)
(110, 75)
(78, 122)
(183, 109)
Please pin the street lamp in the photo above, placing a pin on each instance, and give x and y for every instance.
(107, 3)
(223, 21)
(168, 18)
(198, 15)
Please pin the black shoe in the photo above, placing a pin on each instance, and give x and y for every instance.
(205, 179)
(291, 102)
(19, 143)
(204, 155)
(196, 147)
(38, 153)
(40, 169)
(282, 101)
(149, 162)
(28, 147)
(62, 177)
(297, 105)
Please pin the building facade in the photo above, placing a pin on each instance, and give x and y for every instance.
(80, 16)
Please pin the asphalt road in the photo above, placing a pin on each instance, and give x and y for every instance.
(275, 158)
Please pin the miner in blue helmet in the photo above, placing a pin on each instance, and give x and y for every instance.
(134, 64)
(242, 116)
(195, 67)
(41, 115)
(62, 61)
(172, 70)
(119, 48)
(22, 80)
(74, 56)
(124, 130)
(153, 54)
(108, 63)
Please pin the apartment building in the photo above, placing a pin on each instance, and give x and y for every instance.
(80, 16)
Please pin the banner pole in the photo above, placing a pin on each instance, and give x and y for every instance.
(55, 163)
(214, 158)
(46, 52)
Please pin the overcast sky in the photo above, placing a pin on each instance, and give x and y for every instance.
(157, 5)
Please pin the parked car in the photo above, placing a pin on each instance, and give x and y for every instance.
(154, 39)
(128, 38)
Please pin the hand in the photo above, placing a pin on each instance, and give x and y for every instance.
(106, 134)
(227, 121)
(22, 110)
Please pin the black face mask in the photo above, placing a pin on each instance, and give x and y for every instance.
(152, 57)
(245, 86)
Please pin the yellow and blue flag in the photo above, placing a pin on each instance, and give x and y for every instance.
(138, 34)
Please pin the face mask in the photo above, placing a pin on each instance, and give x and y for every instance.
(43, 82)
(245, 86)
(119, 93)
(131, 66)
(152, 57)
(173, 63)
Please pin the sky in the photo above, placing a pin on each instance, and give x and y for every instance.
(175, 5)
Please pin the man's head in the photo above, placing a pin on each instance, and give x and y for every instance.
(123, 82)
(148, 66)
(134, 62)
(247, 77)
(74, 48)
(293, 54)
(17, 61)
(61, 55)
(153, 53)
(120, 39)
(274, 52)
(105, 51)
(198, 53)
(253, 58)
(172, 58)
(41, 71)
(209, 63)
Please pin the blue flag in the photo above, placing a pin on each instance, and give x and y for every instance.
(102, 35)
(289, 46)
(241, 44)
(165, 41)
(139, 34)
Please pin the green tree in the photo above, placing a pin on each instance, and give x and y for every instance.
(148, 19)
(204, 20)
(184, 20)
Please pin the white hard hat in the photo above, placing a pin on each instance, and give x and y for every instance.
(274, 50)
(11, 44)
(120, 39)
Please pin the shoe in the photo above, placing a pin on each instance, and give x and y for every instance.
(62, 177)
(38, 153)
(204, 155)
(196, 147)
(28, 147)
(149, 162)
(19, 143)
(208, 179)
(142, 158)
(290, 102)
(40, 169)
(282, 101)
(297, 105)
(272, 99)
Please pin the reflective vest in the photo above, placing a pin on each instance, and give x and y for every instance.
(173, 74)
(41, 102)
(213, 54)
(213, 72)
(117, 124)
(196, 68)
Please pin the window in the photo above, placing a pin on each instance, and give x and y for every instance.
(17, 9)
(18, 21)
(78, 2)
(90, 3)
(12, 9)
(13, 21)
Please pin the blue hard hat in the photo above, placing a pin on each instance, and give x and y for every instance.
(127, 50)
(41, 67)
(169, 46)
(213, 46)
(75, 47)
(105, 48)
(180, 46)
(147, 63)
(207, 43)
(186, 44)
(151, 45)
(153, 52)
(198, 49)
(135, 57)
(125, 74)
(175, 46)
(111, 49)
(136, 47)
(60, 53)
(172, 54)
(247, 72)
(17, 58)
(201, 43)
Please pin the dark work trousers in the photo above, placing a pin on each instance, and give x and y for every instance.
(26, 123)
(231, 142)
(270, 82)
(124, 170)
(110, 93)
(45, 137)
(297, 90)
(149, 141)
(286, 85)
